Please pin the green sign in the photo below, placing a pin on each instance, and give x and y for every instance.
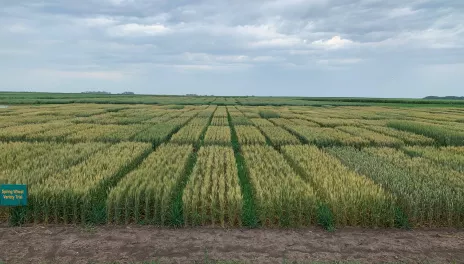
(13, 195)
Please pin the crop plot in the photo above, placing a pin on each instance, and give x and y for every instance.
(230, 165)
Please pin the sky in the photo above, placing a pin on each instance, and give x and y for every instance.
(355, 48)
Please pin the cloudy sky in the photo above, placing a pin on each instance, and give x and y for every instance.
(371, 48)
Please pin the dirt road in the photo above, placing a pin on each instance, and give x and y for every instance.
(66, 244)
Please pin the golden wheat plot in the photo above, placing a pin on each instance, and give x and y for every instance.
(219, 135)
(7, 123)
(219, 121)
(287, 115)
(374, 137)
(145, 194)
(103, 164)
(123, 133)
(38, 119)
(71, 194)
(188, 135)
(249, 135)
(58, 134)
(190, 114)
(97, 133)
(452, 157)
(199, 121)
(324, 136)
(303, 122)
(123, 117)
(260, 122)
(407, 137)
(21, 131)
(155, 133)
(354, 199)
(94, 119)
(33, 170)
(126, 120)
(282, 197)
(428, 115)
(11, 154)
(234, 112)
(332, 122)
(221, 111)
(208, 112)
(281, 121)
(178, 121)
(212, 195)
(279, 136)
(158, 119)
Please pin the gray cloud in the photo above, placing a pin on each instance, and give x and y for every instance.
(127, 39)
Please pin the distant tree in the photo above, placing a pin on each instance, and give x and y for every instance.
(128, 93)
(96, 92)
(445, 97)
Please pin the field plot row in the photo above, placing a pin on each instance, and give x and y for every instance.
(95, 114)
(300, 185)
(351, 126)
(72, 131)
(188, 130)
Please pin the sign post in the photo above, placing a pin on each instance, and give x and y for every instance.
(13, 195)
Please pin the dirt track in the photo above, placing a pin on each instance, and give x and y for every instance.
(58, 244)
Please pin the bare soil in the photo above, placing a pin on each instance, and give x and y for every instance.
(70, 244)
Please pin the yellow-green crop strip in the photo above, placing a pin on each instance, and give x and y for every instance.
(189, 134)
(325, 136)
(145, 195)
(217, 135)
(282, 197)
(73, 194)
(354, 199)
(212, 194)
(375, 138)
(249, 135)
(279, 136)
(452, 157)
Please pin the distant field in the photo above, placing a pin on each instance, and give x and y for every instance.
(219, 161)
(67, 98)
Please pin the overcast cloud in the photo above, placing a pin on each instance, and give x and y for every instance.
(369, 48)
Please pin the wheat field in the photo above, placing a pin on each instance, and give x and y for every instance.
(233, 166)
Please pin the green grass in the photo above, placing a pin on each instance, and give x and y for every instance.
(249, 216)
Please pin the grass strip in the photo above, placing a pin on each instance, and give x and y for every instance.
(249, 217)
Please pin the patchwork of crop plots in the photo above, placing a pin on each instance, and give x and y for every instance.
(234, 165)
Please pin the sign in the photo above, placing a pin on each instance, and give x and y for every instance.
(13, 195)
